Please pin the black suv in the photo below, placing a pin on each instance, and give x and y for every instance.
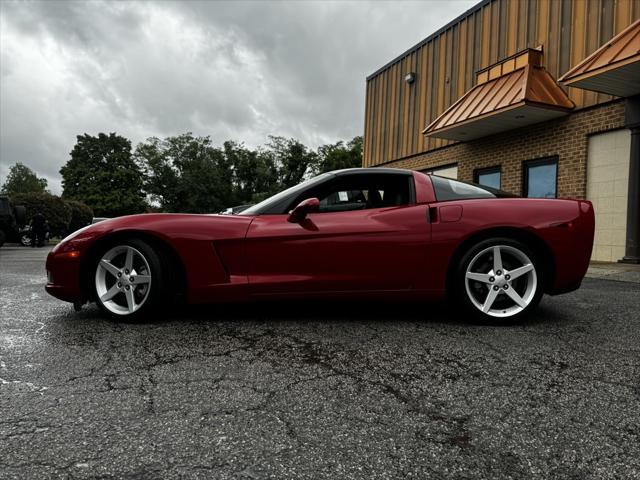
(12, 218)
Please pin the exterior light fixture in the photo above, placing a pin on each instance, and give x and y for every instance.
(410, 77)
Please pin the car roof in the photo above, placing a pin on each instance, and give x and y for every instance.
(393, 171)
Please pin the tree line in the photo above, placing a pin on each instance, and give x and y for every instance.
(183, 173)
(25, 188)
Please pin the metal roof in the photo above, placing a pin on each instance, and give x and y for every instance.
(614, 68)
(515, 97)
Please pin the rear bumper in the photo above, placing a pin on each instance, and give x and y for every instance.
(572, 248)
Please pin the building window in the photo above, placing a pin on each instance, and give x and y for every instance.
(489, 177)
(449, 171)
(541, 178)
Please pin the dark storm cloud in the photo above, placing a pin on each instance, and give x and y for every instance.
(236, 70)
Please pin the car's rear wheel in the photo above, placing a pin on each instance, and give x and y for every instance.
(128, 280)
(499, 279)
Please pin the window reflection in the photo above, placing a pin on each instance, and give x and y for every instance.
(489, 178)
(540, 179)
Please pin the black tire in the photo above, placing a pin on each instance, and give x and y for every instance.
(504, 310)
(158, 287)
(3, 238)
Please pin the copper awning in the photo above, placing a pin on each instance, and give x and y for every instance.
(614, 68)
(513, 93)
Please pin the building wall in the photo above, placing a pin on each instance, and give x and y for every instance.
(446, 63)
(607, 186)
(567, 137)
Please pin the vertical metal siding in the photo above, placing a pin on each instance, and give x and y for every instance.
(532, 15)
(367, 126)
(512, 24)
(566, 24)
(445, 66)
(577, 45)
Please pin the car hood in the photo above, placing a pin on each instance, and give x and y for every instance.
(165, 225)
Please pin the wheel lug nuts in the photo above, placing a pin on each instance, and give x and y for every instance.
(126, 271)
(492, 279)
(131, 279)
(127, 287)
(499, 272)
(506, 287)
(507, 276)
(119, 285)
(496, 287)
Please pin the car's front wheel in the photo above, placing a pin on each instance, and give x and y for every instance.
(128, 280)
(499, 279)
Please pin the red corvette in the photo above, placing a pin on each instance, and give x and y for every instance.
(357, 232)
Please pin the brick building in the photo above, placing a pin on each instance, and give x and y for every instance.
(537, 97)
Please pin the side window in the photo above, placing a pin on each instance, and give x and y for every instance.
(343, 200)
(4, 206)
(447, 189)
(360, 192)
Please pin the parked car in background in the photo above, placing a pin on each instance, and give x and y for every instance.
(26, 236)
(367, 233)
(12, 219)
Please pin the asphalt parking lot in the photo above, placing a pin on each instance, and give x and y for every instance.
(317, 390)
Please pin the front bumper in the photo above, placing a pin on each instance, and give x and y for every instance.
(63, 277)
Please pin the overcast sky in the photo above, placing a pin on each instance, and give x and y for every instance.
(231, 70)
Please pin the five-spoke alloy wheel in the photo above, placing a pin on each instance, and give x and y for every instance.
(498, 278)
(127, 278)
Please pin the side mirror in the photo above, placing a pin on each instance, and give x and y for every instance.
(299, 213)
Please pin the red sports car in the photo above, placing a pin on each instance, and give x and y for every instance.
(356, 232)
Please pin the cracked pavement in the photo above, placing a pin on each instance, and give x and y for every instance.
(317, 390)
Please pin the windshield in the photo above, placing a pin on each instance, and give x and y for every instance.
(266, 206)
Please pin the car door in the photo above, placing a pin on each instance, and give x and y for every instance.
(358, 241)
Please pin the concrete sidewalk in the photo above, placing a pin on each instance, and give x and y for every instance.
(622, 272)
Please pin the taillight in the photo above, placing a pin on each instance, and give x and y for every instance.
(585, 206)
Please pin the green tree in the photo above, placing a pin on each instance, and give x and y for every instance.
(189, 174)
(81, 215)
(254, 173)
(21, 179)
(293, 160)
(338, 155)
(102, 174)
(55, 210)
(185, 174)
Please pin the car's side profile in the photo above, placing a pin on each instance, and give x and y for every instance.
(356, 232)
